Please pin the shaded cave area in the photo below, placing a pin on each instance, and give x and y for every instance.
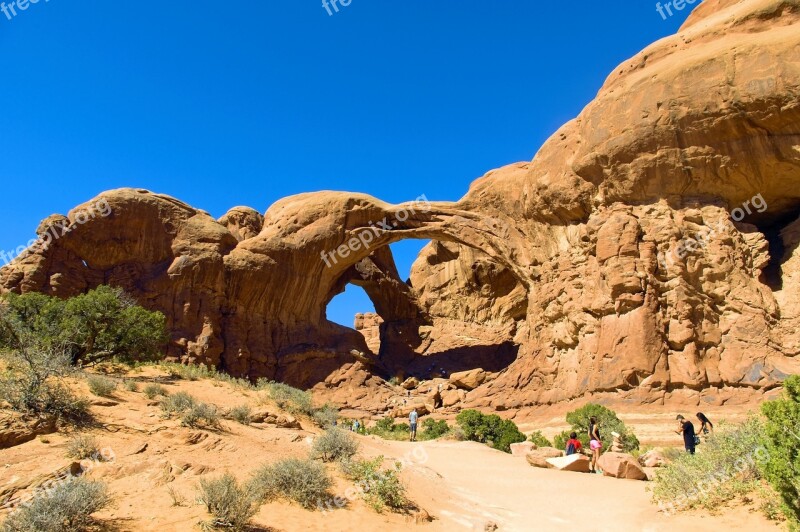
(402, 339)
(783, 235)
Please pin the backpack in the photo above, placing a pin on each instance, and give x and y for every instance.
(571, 449)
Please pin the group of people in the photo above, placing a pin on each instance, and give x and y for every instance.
(691, 439)
(575, 446)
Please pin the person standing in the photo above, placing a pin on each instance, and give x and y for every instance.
(412, 421)
(595, 443)
(707, 426)
(686, 428)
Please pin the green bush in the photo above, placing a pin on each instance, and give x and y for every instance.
(241, 384)
(326, 416)
(101, 386)
(608, 421)
(457, 433)
(194, 414)
(33, 384)
(177, 403)
(153, 390)
(538, 439)
(131, 385)
(432, 429)
(501, 433)
(379, 488)
(230, 505)
(65, 508)
(201, 415)
(241, 414)
(509, 433)
(83, 446)
(290, 399)
(334, 444)
(560, 440)
(726, 468)
(387, 429)
(303, 481)
(189, 372)
(101, 324)
(782, 443)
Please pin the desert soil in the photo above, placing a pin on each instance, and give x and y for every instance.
(462, 485)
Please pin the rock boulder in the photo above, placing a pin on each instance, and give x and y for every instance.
(538, 457)
(621, 465)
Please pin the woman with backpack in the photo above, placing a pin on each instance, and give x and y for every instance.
(595, 443)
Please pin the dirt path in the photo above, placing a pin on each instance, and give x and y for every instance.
(467, 485)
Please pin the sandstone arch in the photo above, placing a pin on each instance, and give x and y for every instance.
(679, 136)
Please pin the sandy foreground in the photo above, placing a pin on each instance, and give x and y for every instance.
(467, 485)
(462, 485)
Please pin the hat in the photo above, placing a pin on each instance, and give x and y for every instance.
(680, 417)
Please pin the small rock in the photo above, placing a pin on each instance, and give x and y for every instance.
(522, 449)
(196, 437)
(419, 517)
(104, 402)
(410, 383)
(653, 459)
(139, 450)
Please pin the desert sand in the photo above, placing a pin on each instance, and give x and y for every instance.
(461, 485)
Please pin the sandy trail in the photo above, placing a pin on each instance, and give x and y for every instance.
(464, 485)
(467, 485)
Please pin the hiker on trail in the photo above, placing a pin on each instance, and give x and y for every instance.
(412, 419)
(687, 429)
(595, 443)
(573, 445)
(356, 425)
(707, 426)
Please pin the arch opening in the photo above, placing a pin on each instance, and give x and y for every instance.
(423, 324)
(346, 306)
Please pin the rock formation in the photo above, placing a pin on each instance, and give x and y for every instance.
(649, 250)
(621, 465)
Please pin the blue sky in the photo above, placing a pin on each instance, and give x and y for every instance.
(242, 103)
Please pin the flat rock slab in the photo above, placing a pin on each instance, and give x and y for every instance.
(574, 462)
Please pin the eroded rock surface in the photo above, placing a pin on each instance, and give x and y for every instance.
(608, 264)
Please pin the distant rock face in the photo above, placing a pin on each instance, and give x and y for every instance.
(650, 250)
(369, 325)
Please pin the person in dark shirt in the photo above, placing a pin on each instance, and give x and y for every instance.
(687, 429)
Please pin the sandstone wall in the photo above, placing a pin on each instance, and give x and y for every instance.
(561, 273)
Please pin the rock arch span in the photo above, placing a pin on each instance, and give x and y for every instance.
(678, 137)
